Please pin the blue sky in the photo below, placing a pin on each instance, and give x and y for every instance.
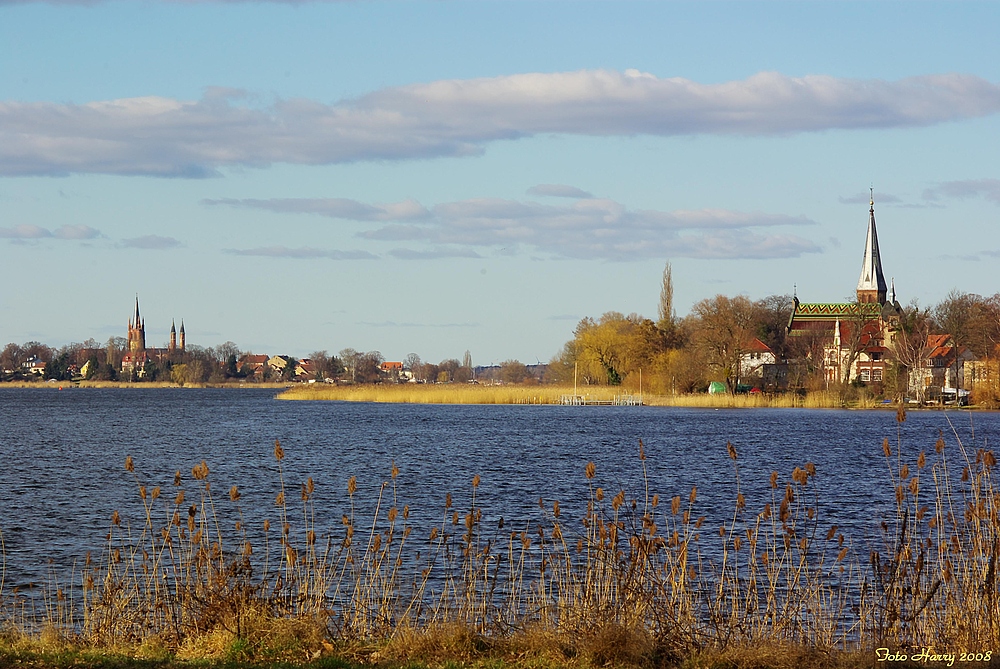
(435, 177)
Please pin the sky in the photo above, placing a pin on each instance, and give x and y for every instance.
(464, 175)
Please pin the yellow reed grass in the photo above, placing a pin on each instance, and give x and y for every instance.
(439, 393)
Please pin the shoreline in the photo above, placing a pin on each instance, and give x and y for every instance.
(158, 385)
(499, 395)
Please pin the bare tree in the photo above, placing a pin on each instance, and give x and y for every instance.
(723, 331)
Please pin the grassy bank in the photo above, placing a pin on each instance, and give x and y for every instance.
(58, 385)
(442, 393)
(641, 580)
(413, 393)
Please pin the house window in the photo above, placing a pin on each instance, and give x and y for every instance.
(866, 375)
(877, 374)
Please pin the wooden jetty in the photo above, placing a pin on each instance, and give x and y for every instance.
(586, 400)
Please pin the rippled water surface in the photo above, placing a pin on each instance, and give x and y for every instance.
(62, 473)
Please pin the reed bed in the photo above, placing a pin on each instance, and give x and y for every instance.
(813, 400)
(434, 393)
(410, 393)
(628, 578)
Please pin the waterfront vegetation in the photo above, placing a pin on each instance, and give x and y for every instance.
(553, 394)
(642, 579)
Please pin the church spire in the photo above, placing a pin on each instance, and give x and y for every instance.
(871, 284)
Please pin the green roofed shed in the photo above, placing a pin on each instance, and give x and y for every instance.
(716, 387)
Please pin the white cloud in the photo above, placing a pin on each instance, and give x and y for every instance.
(304, 253)
(585, 228)
(36, 232)
(24, 232)
(151, 242)
(77, 232)
(333, 208)
(166, 137)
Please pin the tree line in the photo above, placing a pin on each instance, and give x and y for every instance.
(684, 354)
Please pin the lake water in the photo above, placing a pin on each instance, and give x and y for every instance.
(62, 457)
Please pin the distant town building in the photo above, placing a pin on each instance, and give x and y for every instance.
(137, 354)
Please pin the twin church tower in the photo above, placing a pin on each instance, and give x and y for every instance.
(136, 340)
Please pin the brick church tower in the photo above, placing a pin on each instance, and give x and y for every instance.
(136, 342)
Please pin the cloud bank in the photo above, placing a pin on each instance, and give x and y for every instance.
(166, 137)
(591, 228)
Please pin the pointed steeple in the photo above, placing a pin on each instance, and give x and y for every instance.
(871, 284)
(136, 310)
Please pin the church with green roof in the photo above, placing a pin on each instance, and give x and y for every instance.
(851, 340)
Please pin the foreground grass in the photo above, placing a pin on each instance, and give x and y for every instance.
(633, 583)
(443, 648)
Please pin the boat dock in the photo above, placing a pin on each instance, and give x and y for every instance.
(586, 400)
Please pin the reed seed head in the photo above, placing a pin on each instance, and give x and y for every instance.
(393, 513)
(831, 533)
(267, 525)
(129, 465)
(904, 472)
(279, 452)
(142, 491)
(475, 481)
(179, 499)
(177, 477)
(310, 486)
(599, 494)
(310, 537)
(234, 494)
(115, 518)
(731, 449)
(694, 494)
(590, 470)
(939, 446)
(901, 414)
(555, 508)
(155, 492)
(740, 502)
(921, 460)
(280, 499)
(885, 447)
(675, 505)
(774, 479)
(447, 500)
(642, 450)
(395, 469)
